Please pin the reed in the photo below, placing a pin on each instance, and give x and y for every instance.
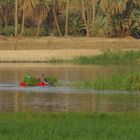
(110, 57)
(123, 81)
(56, 61)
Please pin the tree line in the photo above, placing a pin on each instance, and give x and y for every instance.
(100, 18)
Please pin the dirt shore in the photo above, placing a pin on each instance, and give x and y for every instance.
(43, 56)
(46, 48)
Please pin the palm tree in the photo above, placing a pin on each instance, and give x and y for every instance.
(111, 7)
(6, 12)
(114, 11)
(67, 18)
(94, 11)
(39, 14)
(55, 17)
(131, 5)
(26, 5)
(84, 18)
(16, 17)
(23, 18)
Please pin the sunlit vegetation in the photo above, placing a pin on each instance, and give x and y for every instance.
(106, 58)
(121, 81)
(102, 18)
(110, 57)
(76, 126)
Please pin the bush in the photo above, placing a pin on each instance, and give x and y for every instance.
(32, 31)
(30, 81)
(9, 32)
(51, 80)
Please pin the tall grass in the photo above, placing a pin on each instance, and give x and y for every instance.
(110, 57)
(123, 81)
(69, 126)
(56, 61)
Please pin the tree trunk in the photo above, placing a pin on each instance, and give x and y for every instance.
(23, 19)
(88, 12)
(6, 18)
(16, 17)
(84, 18)
(38, 29)
(67, 18)
(55, 19)
(131, 7)
(94, 12)
(128, 15)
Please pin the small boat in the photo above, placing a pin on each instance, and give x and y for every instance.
(33, 81)
(42, 84)
(39, 84)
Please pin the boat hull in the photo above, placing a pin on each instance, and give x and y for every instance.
(40, 84)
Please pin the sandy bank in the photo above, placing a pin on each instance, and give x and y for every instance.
(46, 48)
(43, 55)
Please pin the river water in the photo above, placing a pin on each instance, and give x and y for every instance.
(63, 97)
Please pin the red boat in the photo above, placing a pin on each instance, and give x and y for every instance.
(40, 84)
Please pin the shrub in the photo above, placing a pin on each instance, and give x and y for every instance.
(30, 81)
(51, 80)
(9, 32)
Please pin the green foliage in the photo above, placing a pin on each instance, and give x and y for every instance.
(10, 31)
(112, 18)
(135, 29)
(124, 81)
(75, 24)
(51, 80)
(110, 57)
(69, 126)
(107, 58)
(30, 81)
(33, 31)
(101, 27)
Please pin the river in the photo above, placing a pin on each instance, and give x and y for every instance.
(62, 97)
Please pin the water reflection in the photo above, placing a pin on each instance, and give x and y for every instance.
(13, 73)
(48, 102)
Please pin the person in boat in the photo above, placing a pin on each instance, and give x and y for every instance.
(42, 78)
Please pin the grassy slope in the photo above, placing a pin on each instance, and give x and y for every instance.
(70, 126)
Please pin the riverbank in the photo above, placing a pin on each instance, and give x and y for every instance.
(43, 55)
(56, 43)
(46, 48)
(76, 126)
